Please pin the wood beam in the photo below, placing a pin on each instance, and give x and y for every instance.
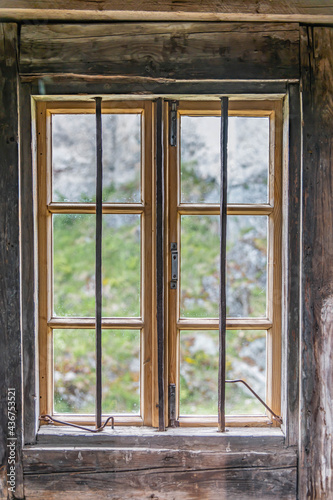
(316, 369)
(189, 464)
(292, 262)
(176, 51)
(306, 11)
(10, 329)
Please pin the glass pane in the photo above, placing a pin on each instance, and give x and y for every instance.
(200, 260)
(199, 361)
(122, 158)
(74, 157)
(246, 266)
(200, 159)
(121, 371)
(121, 265)
(248, 159)
(74, 265)
(245, 359)
(74, 371)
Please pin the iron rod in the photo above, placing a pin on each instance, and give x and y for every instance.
(160, 260)
(98, 263)
(222, 291)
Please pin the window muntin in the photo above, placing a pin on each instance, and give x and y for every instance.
(241, 325)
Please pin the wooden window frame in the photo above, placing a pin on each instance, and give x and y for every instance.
(273, 109)
(47, 322)
(149, 417)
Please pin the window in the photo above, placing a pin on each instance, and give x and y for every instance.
(66, 236)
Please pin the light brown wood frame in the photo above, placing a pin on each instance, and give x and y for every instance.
(272, 323)
(46, 208)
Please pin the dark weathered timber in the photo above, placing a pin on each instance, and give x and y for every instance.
(177, 51)
(240, 439)
(292, 259)
(30, 387)
(64, 86)
(159, 176)
(316, 412)
(10, 330)
(223, 253)
(98, 262)
(311, 11)
(38, 460)
(233, 484)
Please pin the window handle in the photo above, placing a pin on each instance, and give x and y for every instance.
(174, 265)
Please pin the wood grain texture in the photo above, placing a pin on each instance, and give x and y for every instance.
(61, 86)
(245, 483)
(292, 264)
(316, 447)
(179, 439)
(169, 10)
(28, 245)
(144, 463)
(38, 460)
(174, 51)
(10, 330)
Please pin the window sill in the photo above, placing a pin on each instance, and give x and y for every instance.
(148, 437)
(146, 460)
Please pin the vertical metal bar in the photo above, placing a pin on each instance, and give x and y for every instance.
(160, 260)
(98, 268)
(223, 231)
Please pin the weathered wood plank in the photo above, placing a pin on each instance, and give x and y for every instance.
(38, 460)
(241, 439)
(310, 11)
(10, 332)
(316, 445)
(234, 484)
(64, 86)
(160, 50)
(292, 263)
(28, 278)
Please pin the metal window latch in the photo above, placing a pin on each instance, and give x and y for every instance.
(173, 422)
(173, 123)
(174, 265)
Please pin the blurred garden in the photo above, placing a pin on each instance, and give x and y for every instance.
(74, 269)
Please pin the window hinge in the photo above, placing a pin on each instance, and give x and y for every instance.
(173, 123)
(174, 265)
(173, 422)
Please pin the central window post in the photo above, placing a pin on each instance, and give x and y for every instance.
(160, 260)
(98, 263)
(222, 290)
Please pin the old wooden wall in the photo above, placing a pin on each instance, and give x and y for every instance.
(10, 328)
(215, 473)
(316, 417)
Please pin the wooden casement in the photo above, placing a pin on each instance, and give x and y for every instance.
(272, 323)
(150, 374)
(47, 322)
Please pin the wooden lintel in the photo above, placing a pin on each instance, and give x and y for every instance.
(176, 51)
(306, 11)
